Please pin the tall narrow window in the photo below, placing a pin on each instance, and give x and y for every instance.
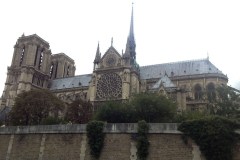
(211, 94)
(68, 70)
(51, 70)
(33, 78)
(22, 55)
(36, 55)
(64, 70)
(40, 60)
(56, 70)
(198, 92)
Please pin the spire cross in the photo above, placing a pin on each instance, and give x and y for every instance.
(112, 41)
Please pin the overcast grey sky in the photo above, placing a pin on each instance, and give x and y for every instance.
(165, 30)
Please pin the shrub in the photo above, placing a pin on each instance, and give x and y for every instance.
(153, 108)
(142, 140)
(79, 111)
(95, 137)
(149, 107)
(32, 107)
(115, 112)
(184, 116)
(215, 136)
(53, 121)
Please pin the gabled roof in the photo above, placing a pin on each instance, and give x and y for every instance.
(112, 50)
(182, 68)
(165, 81)
(71, 82)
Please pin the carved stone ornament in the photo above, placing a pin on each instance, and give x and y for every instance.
(110, 60)
(109, 86)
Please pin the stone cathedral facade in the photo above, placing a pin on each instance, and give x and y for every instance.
(115, 76)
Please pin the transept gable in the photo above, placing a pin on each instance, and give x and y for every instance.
(111, 58)
(111, 50)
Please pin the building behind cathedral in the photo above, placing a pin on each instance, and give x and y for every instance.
(115, 76)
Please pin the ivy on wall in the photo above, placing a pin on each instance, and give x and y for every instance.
(95, 137)
(142, 140)
(215, 136)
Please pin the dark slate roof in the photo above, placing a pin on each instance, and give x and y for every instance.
(182, 68)
(71, 82)
(165, 81)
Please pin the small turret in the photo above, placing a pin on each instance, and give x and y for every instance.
(97, 58)
(98, 55)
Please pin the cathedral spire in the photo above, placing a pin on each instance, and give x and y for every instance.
(98, 55)
(131, 32)
(131, 45)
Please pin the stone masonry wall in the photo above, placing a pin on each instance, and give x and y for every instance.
(69, 142)
(4, 140)
(168, 147)
(26, 146)
(72, 147)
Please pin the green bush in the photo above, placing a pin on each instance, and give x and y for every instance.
(32, 107)
(79, 111)
(52, 121)
(142, 140)
(184, 116)
(153, 108)
(145, 106)
(115, 112)
(95, 137)
(215, 136)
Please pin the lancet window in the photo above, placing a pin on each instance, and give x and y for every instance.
(211, 93)
(198, 92)
(22, 55)
(40, 60)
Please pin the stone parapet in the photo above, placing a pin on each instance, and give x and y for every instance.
(170, 128)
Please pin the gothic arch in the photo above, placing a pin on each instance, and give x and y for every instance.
(211, 91)
(198, 93)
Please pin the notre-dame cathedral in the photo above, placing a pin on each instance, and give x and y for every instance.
(115, 76)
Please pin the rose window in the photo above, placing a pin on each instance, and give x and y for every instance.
(109, 86)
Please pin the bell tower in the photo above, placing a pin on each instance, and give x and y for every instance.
(29, 68)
